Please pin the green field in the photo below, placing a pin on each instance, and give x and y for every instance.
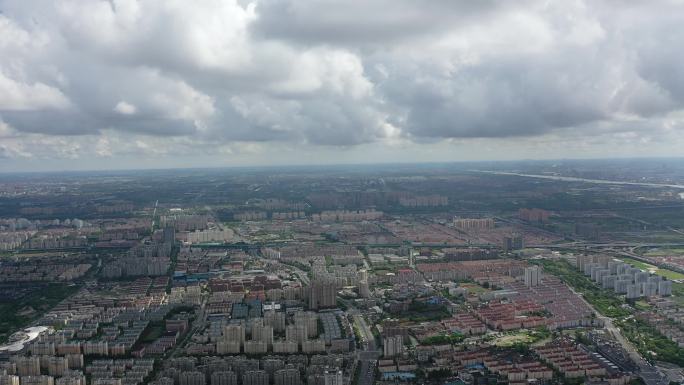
(510, 340)
(669, 274)
(678, 293)
(638, 264)
(642, 305)
(474, 288)
(663, 252)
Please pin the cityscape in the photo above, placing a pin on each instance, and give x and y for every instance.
(341, 192)
(441, 274)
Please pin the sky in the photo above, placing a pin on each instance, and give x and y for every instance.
(120, 84)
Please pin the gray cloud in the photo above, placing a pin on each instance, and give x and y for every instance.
(514, 96)
(333, 73)
(358, 23)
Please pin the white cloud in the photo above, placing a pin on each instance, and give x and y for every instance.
(5, 129)
(125, 108)
(17, 95)
(119, 75)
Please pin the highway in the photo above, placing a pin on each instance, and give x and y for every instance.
(368, 356)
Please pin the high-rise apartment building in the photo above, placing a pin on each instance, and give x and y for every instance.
(276, 320)
(191, 378)
(263, 334)
(322, 294)
(255, 377)
(533, 276)
(286, 377)
(234, 333)
(513, 242)
(333, 377)
(224, 378)
(297, 333)
(474, 223)
(311, 321)
(393, 346)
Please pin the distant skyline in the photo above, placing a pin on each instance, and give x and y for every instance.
(502, 167)
(125, 84)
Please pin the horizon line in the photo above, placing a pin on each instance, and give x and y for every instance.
(335, 165)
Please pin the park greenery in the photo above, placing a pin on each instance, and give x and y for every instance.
(645, 338)
(153, 331)
(17, 314)
(419, 311)
(604, 301)
(650, 343)
(442, 339)
(521, 337)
